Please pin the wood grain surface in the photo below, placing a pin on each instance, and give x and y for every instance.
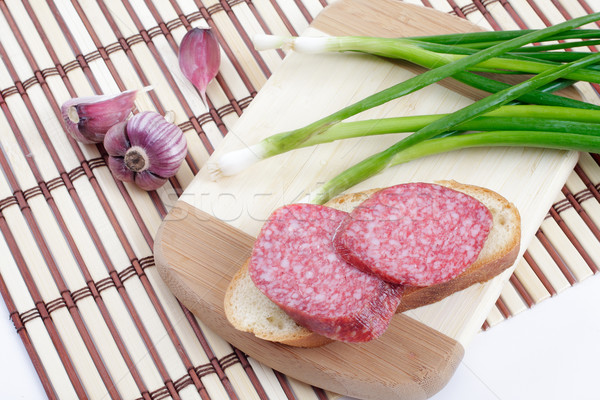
(210, 231)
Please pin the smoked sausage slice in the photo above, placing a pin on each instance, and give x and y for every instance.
(416, 234)
(295, 265)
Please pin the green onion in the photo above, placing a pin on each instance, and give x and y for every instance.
(559, 46)
(295, 138)
(531, 56)
(534, 97)
(536, 48)
(380, 161)
(565, 113)
(500, 36)
(510, 117)
(534, 67)
(348, 130)
(538, 139)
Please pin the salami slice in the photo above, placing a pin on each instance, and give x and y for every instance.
(295, 265)
(415, 234)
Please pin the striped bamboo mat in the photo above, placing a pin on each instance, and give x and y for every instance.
(77, 271)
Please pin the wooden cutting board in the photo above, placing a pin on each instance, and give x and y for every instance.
(210, 231)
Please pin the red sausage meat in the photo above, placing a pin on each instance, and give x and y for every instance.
(295, 264)
(416, 234)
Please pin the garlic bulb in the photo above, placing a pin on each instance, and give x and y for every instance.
(87, 119)
(200, 58)
(146, 150)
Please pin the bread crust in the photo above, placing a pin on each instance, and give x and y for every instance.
(299, 338)
(415, 296)
(482, 270)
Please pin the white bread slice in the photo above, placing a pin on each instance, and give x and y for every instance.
(249, 310)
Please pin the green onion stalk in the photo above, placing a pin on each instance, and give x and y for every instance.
(380, 161)
(528, 53)
(485, 39)
(531, 67)
(509, 117)
(488, 38)
(235, 162)
(373, 127)
(559, 46)
(511, 138)
(540, 48)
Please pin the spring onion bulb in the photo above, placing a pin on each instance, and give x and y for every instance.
(308, 45)
(234, 162)
(295, 138)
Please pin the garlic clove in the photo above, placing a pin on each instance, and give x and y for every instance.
(117, 144)
(119, 170)
(146, 149)
(87, 119)
(200, 58)
(148, 181)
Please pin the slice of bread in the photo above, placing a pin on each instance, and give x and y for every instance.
(249, 310)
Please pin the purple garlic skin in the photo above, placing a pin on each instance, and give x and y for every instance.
(87, 119)
(146, 150)
(200, 58)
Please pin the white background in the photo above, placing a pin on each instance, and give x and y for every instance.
(550, 352)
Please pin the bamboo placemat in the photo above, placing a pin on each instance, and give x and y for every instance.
(77, 272)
